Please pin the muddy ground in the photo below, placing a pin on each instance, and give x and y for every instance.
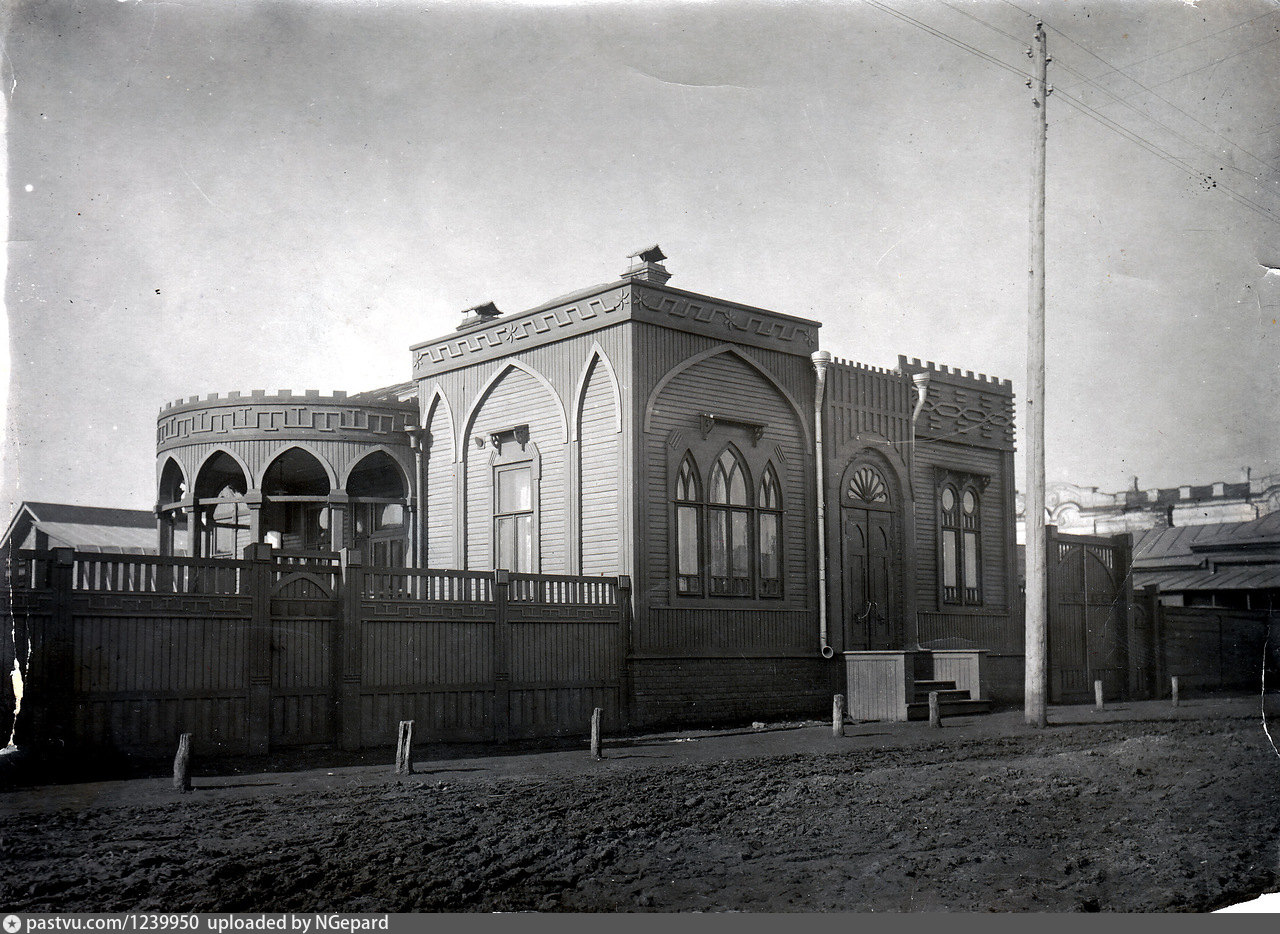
(1152, 815)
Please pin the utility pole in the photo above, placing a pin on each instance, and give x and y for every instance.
(1037, 680)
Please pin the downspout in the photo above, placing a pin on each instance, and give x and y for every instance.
(821, 360)
(922, 391)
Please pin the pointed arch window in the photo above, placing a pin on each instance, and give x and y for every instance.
(769, 533)
(729, 527)
(688, 500)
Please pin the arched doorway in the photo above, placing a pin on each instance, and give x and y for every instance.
(871, 559)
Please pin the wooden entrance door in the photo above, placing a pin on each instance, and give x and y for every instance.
(871, 559)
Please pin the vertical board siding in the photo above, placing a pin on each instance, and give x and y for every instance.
(995, 560)
(599, 467)
(879, 685)
(518, 399)
(141, 668)
(422, 653)
(439, 495)
(156, 654)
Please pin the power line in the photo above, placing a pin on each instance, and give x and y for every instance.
(1114, 97)
(1149, 90)
(948, 38)
(1084, 108)
(1142, 61)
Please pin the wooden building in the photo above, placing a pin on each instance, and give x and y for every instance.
(692, 445)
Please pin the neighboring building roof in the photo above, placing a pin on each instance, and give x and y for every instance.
(91, 528)
(1223, 556)
(400, 392)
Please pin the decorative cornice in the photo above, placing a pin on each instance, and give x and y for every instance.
(609, 305)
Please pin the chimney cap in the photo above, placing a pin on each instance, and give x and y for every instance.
(650, 254)
(478, 315)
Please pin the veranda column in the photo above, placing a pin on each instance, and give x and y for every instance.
(338, 504)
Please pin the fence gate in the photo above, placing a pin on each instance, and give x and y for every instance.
(1088, 615)
(304, 612)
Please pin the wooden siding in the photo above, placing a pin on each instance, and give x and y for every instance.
(862, 400)
(518, 399)
(998, 632)
(439, 496)
(880, 684)
(725, 385)
(732, 690)
(994, 541)
(599, 468)
(727, 630)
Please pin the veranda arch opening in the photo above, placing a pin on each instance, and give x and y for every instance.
(377, 494)
(296, 513)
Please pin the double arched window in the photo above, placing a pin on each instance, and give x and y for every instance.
(729, 535)
(960, 521)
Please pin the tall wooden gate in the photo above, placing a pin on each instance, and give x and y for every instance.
(304, 681)
(1089, 603)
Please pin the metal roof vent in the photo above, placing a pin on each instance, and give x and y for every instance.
(646, 266)
(478, 316)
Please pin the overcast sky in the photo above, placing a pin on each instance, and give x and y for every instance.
(206, 196)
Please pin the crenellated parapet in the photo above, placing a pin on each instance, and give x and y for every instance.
(259, 415)
(961, 406)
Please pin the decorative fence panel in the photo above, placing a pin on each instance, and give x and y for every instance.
(129, 651)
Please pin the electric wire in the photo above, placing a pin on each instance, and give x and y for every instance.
(1149, 89)
(1131, 135)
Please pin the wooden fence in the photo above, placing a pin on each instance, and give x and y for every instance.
(273, 650)
(1206, 648)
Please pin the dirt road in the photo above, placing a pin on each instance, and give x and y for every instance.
(1137, 815)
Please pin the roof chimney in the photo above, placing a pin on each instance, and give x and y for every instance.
(646, 266)
(478, 316)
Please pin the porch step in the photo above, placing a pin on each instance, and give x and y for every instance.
(953, 708)
(924, 687)
(945, 696)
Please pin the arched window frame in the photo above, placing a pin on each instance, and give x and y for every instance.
(688, 529)
(960, 541)
(715, 506)
(730, 547)
(769, 508)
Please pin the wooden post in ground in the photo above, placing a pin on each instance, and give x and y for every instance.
(1173, 682)
(595, 734)
(182, 764)
(837, 715)
(935, 710)
(1037, 681)
(404, 748)
(1097, 694)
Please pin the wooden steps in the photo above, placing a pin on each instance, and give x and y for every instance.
(951, 702)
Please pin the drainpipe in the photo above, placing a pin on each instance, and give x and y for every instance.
(821, 360)
(922, 389)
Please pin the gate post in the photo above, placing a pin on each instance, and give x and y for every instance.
(1123, 559)
(624, 651)
(259, 553)
(55, 679)
(350, 663)
(501, 664)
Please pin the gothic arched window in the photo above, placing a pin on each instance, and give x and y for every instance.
(729, 527)
(769, 533)
(688, 500)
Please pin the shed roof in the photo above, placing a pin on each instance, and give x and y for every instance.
(96, 528)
